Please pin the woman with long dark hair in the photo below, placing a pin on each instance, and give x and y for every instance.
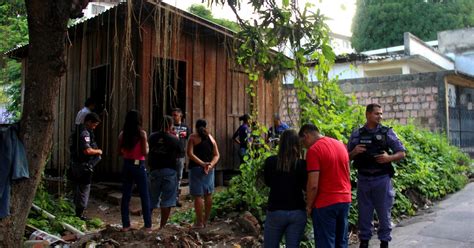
(285, 174)
(203, 156)
(133, 147)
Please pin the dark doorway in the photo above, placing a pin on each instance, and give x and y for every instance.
(99, 92)
(169, 90)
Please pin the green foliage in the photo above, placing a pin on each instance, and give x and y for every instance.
(247, 191)
(326, 106)
(379, 24)
(203, 12)
(302, 33)
(62, 209)
(14, 30)
(433, 168)
(184, 217)
(12, 90)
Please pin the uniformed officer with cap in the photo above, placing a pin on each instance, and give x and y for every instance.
(373, 148)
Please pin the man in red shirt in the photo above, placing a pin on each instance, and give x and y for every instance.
(328, 191)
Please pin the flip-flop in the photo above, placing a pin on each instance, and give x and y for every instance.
(197, 226)
(127, 229)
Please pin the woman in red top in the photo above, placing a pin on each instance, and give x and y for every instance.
(133, 147)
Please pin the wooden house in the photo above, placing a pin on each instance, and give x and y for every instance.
(160, 58)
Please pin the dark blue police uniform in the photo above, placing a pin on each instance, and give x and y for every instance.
(374, 184)
(82, 166)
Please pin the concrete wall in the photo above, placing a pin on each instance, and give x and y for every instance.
(456, 41)
(421, 97)
(459, 45)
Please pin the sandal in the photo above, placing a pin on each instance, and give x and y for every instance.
(196, 226)
(126, 229)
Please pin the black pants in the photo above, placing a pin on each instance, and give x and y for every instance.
(81, 197)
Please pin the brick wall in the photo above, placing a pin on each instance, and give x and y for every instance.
(289, 106)
(403, 97)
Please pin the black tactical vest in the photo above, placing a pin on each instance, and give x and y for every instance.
(375, 143)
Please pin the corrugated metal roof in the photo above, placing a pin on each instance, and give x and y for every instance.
(18, 46)
(84, 19)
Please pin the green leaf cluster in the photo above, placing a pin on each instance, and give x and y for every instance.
(300, 33)
(62, 209)
(203, 12)
(381, 23)
(247, 191)
(14, 30)
(431, 170)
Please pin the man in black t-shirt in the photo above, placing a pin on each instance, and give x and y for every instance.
(164, 150)
(182, 131)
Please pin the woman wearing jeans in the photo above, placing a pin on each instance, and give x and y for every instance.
(286, 176)
(133, 147)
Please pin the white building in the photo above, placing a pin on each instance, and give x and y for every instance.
(414, 56)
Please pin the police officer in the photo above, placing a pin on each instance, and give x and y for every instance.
(84, 157)
(373, 148)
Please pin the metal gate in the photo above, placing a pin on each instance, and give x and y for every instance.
(461, 118)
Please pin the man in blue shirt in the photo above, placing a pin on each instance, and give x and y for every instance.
(277, 129)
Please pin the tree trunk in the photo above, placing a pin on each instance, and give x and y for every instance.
(47, 23)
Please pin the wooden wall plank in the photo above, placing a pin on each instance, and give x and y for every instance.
(260, 101)
(241, 94)
(269, 103)
(229, 158)
(210, 84)
(198, 78)
(189, 43)
(144, 81)
(221, 116)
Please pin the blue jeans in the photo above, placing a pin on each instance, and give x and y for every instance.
(375, 193)
(291, 223)
(331, 225)
(180, 167)
(135, 174)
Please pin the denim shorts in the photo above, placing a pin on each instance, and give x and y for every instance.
(199, 183)
(163, 188)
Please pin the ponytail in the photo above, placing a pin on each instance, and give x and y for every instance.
(201, 129)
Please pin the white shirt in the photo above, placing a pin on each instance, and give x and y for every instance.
(81, 115)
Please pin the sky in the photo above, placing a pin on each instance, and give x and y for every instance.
(340, 12)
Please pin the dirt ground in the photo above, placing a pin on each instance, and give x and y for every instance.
(235, 231)
(228, 231)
